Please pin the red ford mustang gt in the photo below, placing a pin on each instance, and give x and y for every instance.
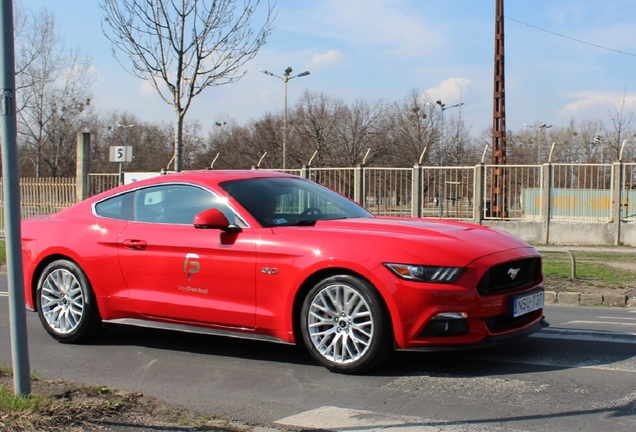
(275, 257)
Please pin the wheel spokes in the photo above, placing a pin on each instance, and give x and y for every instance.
(62, 301)
(340, 324)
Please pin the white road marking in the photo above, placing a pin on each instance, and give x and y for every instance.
(616, 323)
(586, 335)
(4, 294)
(350, 420)
(613, 363)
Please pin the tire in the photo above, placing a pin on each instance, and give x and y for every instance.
(345, 325)
(66, 303)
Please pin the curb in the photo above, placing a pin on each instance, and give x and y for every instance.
(587, 299)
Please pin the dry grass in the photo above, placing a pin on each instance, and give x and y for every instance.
(56, 406)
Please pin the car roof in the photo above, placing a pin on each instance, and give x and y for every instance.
(203, 177)
(209, 176)
(218, 176)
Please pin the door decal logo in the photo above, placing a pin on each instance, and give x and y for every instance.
(191, 264)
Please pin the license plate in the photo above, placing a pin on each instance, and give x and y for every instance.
(527, 303)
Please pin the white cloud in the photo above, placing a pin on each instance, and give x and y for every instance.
(146, 89)
(452, 90)
(95, 75)
(585, 103)
(390, 28)
(321, 60)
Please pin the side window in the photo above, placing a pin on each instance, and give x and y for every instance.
(175, 204)
(148, 204)
(118, 207)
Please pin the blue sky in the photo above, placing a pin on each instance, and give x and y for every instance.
(565, 59)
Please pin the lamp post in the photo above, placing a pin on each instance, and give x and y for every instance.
(443, 107)
(538, 129)
(285, 78)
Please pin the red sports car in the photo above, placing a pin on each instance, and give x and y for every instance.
(276, 257)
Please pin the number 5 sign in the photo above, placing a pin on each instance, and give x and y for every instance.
(120, 153)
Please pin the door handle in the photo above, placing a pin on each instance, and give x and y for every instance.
(135, 244)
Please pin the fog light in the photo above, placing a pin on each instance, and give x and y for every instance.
(447, 324)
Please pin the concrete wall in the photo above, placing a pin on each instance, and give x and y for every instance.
(566, 233)
(628, 234)
(532, 232)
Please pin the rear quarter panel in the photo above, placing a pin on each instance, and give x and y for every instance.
(88, 241)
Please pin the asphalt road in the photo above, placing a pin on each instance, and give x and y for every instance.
(577, 375)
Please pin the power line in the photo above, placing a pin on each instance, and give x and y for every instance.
(571, 38)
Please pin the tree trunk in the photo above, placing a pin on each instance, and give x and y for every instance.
(178, 139)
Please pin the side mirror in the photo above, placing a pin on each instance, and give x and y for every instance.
(214, 219)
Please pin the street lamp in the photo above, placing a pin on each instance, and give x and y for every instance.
(538, 129)
(285, 78)
(443, 107)
(126, 127)
(606, 146)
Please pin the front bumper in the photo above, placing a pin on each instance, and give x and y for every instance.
(487, 342)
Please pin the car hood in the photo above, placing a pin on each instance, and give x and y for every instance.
(420, 237)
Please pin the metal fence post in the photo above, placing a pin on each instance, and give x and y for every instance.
(306, 171)
(82, 165)
(416, 191)
(478, 194)
(358, 187)
(617, 200)
(546, 192)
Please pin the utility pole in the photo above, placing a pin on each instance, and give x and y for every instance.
(498, 194)
(11, 189)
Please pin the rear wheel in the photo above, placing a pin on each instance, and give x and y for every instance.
(66, 303)
(345, 325)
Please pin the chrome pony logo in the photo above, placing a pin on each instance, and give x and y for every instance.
(512, 273)
(191, 264)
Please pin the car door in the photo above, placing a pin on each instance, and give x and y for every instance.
(178, 272)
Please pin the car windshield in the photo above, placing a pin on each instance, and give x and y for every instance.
(285, 201)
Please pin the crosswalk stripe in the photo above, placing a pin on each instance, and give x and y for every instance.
(350, 420)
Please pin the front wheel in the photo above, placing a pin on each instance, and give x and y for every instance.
(345, 325)
(66, 303)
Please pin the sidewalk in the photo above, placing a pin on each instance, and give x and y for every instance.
(588, 299)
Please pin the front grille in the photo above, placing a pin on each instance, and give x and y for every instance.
(510, 276)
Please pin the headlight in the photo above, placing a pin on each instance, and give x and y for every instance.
(426, 273)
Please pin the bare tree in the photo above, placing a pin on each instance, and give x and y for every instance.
(358, 132)
(182, 47)
(621, 125)
(413, 127)
(315, 124)
(53, 96)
